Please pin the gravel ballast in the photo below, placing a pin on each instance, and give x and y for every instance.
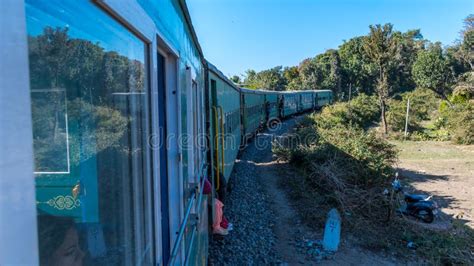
(248, 208)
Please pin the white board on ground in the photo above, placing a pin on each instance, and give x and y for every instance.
(332, 231)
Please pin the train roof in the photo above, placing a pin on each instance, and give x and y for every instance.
(221, 75)
(187, 17)
(254, 91)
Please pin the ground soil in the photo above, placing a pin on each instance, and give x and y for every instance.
(445, 171)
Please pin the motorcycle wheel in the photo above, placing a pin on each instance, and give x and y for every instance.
(426, 215)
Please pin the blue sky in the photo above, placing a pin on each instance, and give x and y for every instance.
(236, 35)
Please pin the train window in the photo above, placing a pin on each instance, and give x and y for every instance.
(89, 97)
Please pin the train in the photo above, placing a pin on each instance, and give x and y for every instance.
(119, 124)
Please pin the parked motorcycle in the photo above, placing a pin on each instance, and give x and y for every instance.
(416, 205)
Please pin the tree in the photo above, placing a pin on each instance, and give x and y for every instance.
(235, 79)
(270, 79)
(381, 48)
(323, 72)
(431, 71)
(309, 74)
(292, 78)
(357, 69)
(468, 40)
(329, 67)
(408, 45)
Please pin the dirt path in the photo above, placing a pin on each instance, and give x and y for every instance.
(444, 170)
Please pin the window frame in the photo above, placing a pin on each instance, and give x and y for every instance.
(17, 185)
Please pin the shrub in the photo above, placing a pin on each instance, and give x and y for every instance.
(365, 110)
(366, 157)
(362, 111)
(459, 121)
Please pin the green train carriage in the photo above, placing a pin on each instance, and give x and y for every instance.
(272, 106)
(224, 131)
(306, 101)
(323, 98)
(290, 103)
(253, 111)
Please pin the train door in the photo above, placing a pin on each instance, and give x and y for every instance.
(217, 138)
(164, 208)
(169, 156)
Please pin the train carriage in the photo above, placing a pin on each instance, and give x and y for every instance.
(272, 105)
(253, 111)
(307, 100)
(323, 98)
(111, 90)
(225, 120)
(290, 104)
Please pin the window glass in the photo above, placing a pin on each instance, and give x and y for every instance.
(88, 93)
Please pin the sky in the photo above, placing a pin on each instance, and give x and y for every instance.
(236, 35)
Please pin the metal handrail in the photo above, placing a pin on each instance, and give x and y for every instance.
(222, 140)
(182, 228)
(193, 234)
(216, 144)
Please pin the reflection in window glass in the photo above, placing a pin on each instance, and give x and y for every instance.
(88, 94)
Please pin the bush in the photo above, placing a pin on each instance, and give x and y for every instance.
(365, 110)
(367, 158)
(362, 111)
(459, 122)
(341, 166)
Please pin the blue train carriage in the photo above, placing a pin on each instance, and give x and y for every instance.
(225, 125)
(291, 102)
(323, 98)
(272, 105)
(110, 162)
(306, 100)
(253, 111)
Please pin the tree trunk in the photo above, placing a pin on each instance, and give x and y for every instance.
(384, 120)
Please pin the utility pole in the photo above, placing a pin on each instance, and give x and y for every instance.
(406, 118)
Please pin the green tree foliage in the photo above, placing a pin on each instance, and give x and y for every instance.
(329, 64)
(309, 74)
(381, 48)
(357, 69)
(468, 40)
(235, 79)
(292, 77)
(408, 45)
(431, 71)
(270, 79)
(465, 86)
(322, 72)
